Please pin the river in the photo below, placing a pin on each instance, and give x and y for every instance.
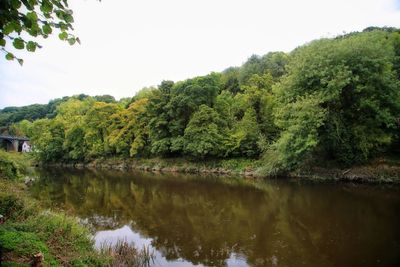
(190, 220)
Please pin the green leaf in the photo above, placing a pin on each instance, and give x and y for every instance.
(32, 2)
(58, 4)
(68, 18)
(34, 31)
(31, 46)
(62, 26)
(8, 28)
(17, 26)
(15, 4)
(32, 16)
(63, 36)
(20, 61)
(47, 29)
(27, 23)
(9, 56)
(18, 43)
(71, 41)
(46, 6)
(2, 42)
(59, 14)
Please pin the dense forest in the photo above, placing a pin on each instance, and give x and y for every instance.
(333, 99)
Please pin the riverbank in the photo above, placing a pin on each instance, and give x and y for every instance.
(31, 235)
(383, 170)
(378, 171)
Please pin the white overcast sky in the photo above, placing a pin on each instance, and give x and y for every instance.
(129, 44)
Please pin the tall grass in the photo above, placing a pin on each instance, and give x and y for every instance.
(124, 254)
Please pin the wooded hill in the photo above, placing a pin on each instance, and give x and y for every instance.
(334, 99)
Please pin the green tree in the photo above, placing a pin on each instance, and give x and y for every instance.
(22, 128)
(340, 98)
(186, 97)
(244, 139)
(159, 114)
(48, 138)
(275, 63)
(128, 130)
(257, 93)
(203, 136)
(97, 122)
(74, 142)
(71, 114)
(227, 106)
(105, 98)
(72, 111)
(299, 123)
(230, 80)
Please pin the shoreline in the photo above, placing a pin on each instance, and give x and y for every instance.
(378, 172)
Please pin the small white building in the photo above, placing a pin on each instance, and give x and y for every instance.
(26, 147)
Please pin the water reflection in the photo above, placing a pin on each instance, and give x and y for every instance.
(219, 222)
(124, 233)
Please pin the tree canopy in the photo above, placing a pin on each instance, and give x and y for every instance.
(332, 99)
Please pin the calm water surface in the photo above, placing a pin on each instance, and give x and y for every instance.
(213, 221)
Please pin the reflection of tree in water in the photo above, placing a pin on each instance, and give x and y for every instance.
(204, 221)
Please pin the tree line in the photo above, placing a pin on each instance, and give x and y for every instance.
(333, 99)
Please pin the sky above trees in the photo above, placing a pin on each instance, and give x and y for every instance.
(127, 45)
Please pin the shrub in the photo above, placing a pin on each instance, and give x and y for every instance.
(8, 167)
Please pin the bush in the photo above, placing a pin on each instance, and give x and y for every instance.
(8, 167)
(10, 206)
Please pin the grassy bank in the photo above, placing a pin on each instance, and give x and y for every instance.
(30, 234)
(33, 236)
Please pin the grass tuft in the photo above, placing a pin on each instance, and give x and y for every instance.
(126, 254)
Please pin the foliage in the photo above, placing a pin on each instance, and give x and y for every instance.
(26, 229)
(340, 99)
(332, 99)
(51, 234)
(11, 115)
(203, 135)
(160, 119)
(10, 206)
(299, 122)
(128, 134)
(245, 135)
(97, 122)
(8, 167)
(40, 18)
(13, 165)
(186, 97)
(273, 63)
(14, 114)
(48, 138)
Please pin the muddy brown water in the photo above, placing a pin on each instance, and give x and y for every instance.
(190, 220)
